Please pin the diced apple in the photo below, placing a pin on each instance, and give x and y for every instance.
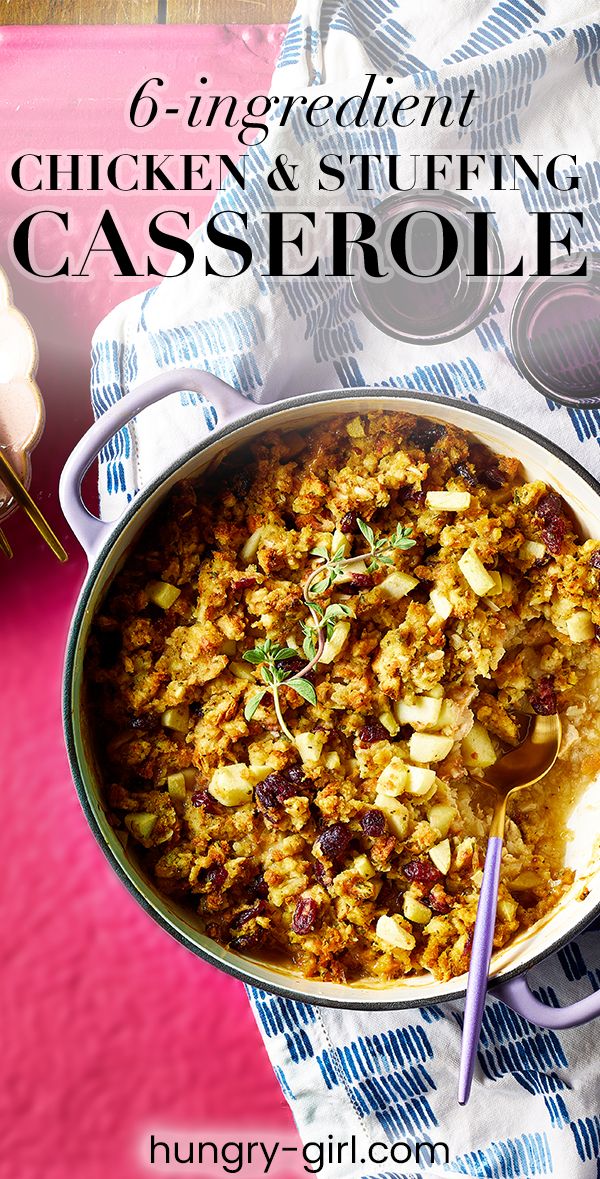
(233, 785)
(389, 722)
(397, 585)
(532, 550)
(363, 867)
(310, 746)
(420, 780)
(441, 817)
(140, 824)
(339, 540)
(498, 586)
(580, 627)
(449, 715)
(229, 787)
(393, 932)
(251, 546)
(162, 594)
(424, 710)
(347, 571)
(229, 647)
(437, 924)
(448, 501)
(507, 908)
(508, 584)
(427, 747)
(437, 692)
(415, 910)
(334, 645)
(526, 879)
(475, 572)
(393, 780)
(441, 856)
(177, 785)
(441, 604)
(331, 760)
(241, 671)
(395, 812)
(355, 428)
(177, 718)
(477, 748)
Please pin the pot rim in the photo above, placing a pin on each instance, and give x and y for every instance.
(352, 1001)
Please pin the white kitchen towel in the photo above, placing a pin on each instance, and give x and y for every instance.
(535, 1108)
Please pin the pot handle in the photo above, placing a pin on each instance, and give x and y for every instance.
(518, 995)
(89, 530)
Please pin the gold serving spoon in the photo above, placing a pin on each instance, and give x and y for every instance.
(518, 769)
(11, 481)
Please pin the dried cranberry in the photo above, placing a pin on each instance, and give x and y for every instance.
(293, 667)
(305, 915)
(258, 887)
(595, 559)
(423, 871)
(334, 841)
(469, 942)
(243, 583)
(550, 511)
(425, 434)
(412, 495)
(295, 774)
(543, 698)
(216, 877)
(204, 799)
(549, 507)
(142, 722)
(391, 897)
(362, 581)
(279, 785)
(349, 522)
(321, 874)
(246, 915)
(465, 472)
(492, 477)
(372, 731)
(439, 902)
(267, 792)
(247, 941)
(553, 535)
(373, 823)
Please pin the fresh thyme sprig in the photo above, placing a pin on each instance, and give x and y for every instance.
(323, 622)
(380, 551)
(271, 657)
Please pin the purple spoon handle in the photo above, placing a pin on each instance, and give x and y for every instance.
(481, 953)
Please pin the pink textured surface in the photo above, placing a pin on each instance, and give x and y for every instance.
(111, 1028)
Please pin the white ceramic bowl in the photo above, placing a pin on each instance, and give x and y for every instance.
(107, 546)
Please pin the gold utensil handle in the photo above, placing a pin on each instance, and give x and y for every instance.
(4, 545)
(11, 480)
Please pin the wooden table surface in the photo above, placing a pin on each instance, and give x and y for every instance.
(144, 12)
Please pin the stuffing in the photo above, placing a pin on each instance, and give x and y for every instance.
(299, 675)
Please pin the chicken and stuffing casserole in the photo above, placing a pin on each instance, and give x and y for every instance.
(300, 674)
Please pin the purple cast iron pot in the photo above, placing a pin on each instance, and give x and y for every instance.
(106, 545)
